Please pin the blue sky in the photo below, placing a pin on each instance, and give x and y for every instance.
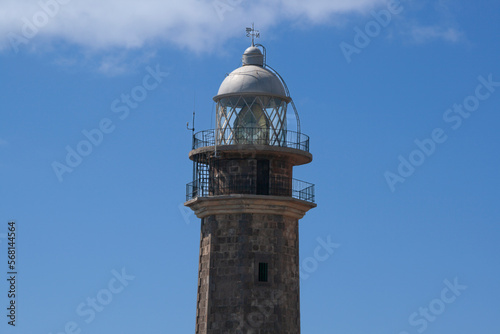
(401, 101)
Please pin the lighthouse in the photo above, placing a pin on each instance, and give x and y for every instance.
(249, 204)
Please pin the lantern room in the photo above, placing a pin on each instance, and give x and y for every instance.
(251, 104)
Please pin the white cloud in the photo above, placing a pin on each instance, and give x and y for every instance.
(440, 22)
(194, 24)
(423, 34)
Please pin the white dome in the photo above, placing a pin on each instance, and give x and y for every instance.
(252, 79)
(253, 56)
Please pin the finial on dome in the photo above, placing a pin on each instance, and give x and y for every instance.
(253, 55)
(254, 33)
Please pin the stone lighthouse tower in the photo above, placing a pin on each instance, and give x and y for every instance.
(250, 205)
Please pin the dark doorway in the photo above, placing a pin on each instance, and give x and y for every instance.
(262, 177)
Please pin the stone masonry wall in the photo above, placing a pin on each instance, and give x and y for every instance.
(230, 297)
(240, 176)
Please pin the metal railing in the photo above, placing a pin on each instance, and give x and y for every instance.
(277, 187)
(303, 190)
(255, 136)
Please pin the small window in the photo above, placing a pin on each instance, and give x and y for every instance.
(262, 177)
(263, 272)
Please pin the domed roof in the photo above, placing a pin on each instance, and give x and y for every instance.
(253, 56)
(252, 50)
(252, 79)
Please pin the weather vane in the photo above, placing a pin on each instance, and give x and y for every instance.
(254, 33)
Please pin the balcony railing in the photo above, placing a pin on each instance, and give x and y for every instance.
(277, 187)
(255, 136)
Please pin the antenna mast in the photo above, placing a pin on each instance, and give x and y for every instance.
(194, 114)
